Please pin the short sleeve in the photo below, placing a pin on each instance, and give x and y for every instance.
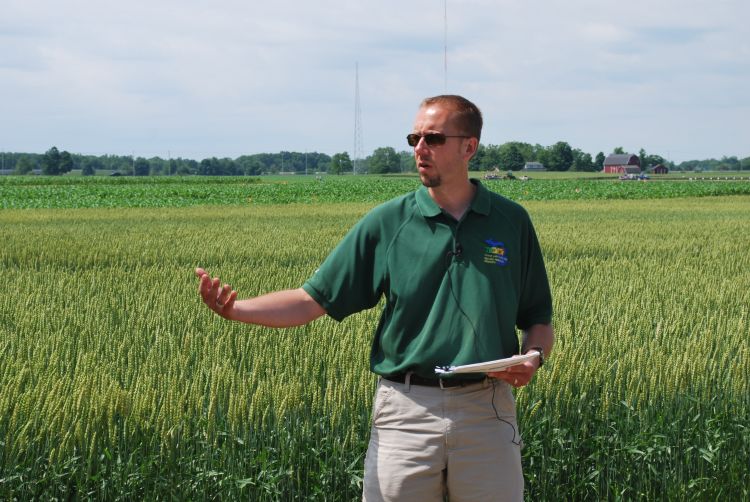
(350, 279)
(535, 305)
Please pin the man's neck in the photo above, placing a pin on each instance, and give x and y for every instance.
(456, 199)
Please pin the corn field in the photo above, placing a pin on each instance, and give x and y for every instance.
(116, 382)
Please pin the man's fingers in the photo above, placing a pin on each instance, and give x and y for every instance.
(230, 300)
(219, 298)
(517, 376)
(204, 281)
(204, 286)
(223, 295)
(225, 304)
(208, 287)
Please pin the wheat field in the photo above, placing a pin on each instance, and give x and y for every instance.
(116, 383)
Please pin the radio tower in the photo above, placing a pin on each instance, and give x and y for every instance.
(445, 46)
(357, 154)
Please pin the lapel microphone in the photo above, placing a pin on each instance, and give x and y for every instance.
(457, 250)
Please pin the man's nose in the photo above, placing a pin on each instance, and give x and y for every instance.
(421, 145)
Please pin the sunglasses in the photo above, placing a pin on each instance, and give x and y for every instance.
(431, 138)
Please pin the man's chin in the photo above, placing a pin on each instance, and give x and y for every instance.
(430, 181)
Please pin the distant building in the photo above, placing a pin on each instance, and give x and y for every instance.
(659, 169)
(622, 163)
(534, 166)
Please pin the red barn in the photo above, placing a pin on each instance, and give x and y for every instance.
(622, 163)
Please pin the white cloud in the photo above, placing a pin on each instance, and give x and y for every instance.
(201, 78)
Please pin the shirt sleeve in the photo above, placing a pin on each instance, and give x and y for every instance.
(350, 278)
(535, 306)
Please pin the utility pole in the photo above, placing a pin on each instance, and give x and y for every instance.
(357, 154)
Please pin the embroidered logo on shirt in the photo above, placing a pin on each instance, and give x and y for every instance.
(494, 253)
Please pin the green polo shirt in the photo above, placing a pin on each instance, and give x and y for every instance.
(454, 291)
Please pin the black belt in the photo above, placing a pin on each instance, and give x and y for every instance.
(433, 382)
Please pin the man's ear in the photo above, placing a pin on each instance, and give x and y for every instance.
(470, 147)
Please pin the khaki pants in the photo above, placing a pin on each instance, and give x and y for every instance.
(428, 442)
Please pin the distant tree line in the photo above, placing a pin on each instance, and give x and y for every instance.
(511, 156)
(52, 163)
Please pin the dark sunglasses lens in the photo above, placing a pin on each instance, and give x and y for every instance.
(432, 139)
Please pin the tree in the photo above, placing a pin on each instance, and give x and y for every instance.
(66, 162)
(618, 150)
(51, 162)
(527, 150)
(729, 163)
(653, 160)
(491, 158)
(408, 165)
(249, 165)
(187, 166)
(24, 165)
(599, 162)
(476, 162)
(559, 157)
(217, 167)
(650, 160)
(384, 160)
(90, 166)
(142, 167)
(209, 167)
(582, 161)
(158, 166)
(511, 157)
(539, 153)
(340, 163)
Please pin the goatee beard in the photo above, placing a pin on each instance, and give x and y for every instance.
(431, 182)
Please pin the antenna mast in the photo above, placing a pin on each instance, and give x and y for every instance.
(445, 39)
(357, 154)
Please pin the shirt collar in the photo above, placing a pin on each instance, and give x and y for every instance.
(428, 207)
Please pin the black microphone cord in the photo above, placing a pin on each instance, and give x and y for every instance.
(456, 253)
(450, 256)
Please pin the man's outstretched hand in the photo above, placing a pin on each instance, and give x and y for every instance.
(218, 298)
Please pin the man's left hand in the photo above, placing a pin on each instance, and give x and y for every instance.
(518, 375)
(537, 335)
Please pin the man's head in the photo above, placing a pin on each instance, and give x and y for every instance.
(445, 137)
(466, 115)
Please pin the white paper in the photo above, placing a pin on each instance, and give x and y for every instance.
(488, 366)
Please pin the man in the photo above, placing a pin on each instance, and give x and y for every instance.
(460, 269)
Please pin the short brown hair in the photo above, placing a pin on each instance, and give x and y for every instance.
(467, 116)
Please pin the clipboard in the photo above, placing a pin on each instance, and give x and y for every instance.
(488, 366)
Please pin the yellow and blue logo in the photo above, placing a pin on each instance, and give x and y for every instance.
(495, 253)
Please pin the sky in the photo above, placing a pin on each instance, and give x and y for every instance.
(198, 79)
